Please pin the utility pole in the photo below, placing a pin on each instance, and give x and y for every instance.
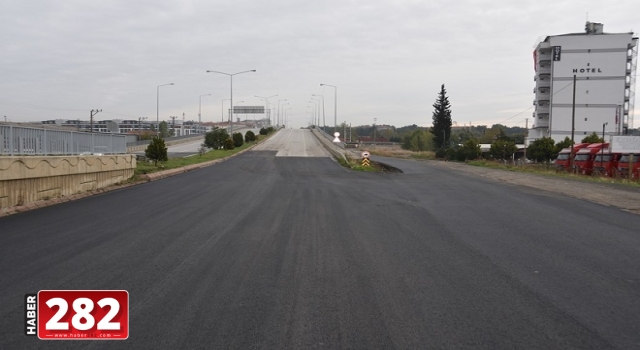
(526, 127)
(573, 122)
(93, 112)
(173, 125)
(374, 129)
(140, 125)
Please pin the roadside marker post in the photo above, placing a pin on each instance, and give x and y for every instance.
(365, 158)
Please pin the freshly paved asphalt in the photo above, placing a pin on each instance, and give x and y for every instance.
(296, 252)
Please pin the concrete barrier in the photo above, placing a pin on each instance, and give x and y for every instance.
(336, 151)
(26, 179)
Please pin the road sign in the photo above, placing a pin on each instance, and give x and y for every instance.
(337, 135)
(365, 154)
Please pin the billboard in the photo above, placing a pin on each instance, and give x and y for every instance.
(625, 144)
(248, 109)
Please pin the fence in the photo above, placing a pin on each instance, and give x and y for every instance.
(17, 140)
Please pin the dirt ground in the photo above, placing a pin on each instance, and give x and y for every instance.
(626, 198)
(614, 195)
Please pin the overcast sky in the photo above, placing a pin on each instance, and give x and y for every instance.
(60, 59)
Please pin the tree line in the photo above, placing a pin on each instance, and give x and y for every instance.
(216, 139)
(464, 143)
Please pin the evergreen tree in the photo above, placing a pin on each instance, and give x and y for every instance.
(156, 151)
(441, 128)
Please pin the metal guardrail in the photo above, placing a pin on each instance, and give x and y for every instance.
(330, 138)
(166, 139)
(18, 140)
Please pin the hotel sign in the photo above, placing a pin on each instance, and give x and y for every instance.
(557, 52)
(587, 70)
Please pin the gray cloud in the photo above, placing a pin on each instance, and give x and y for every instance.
(388, 58)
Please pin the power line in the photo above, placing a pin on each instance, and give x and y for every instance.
(571, 83)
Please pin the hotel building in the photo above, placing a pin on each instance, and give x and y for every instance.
(604, 65)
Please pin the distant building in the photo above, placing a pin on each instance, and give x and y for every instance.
(133, 126)
(605, 67)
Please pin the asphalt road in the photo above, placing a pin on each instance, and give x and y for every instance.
(296, 252)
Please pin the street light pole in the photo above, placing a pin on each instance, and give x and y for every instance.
(266, 105)
(286, 117)
(158, 107)
(602, 153)
(335, 106)
(231, 107)
(316, 113)
(312, 116)
(222, 110)
(278, 114)
(239, 102)
(324, 123)
(200, 109)
(281, 114)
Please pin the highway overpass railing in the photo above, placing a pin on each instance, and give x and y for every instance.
(18, 140)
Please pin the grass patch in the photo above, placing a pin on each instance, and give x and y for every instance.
(356, 164)
(402, 153)
(549, 170)
(173, 163)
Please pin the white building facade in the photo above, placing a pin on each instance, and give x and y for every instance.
(604, 66)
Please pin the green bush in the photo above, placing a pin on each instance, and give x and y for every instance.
(450, 154)
(503, 149)
(238, 140)
(542, 150)
(441, 153)
(249, 136)
(215, 138)
(470, 150)
(228, 144)
(263, 131)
